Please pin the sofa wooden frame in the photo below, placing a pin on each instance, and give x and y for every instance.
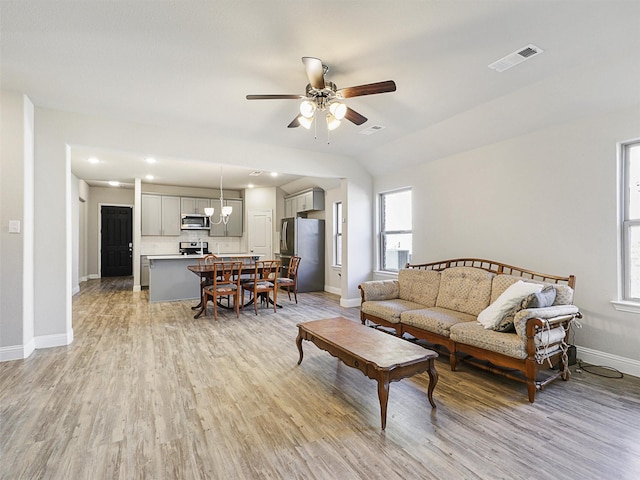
(528, 368)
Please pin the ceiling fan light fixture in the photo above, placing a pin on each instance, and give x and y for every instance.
(305, 122)
(307, 108)
(338, 110)
(332, 122)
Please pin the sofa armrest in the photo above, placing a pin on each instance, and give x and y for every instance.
(379, 290)
(529, 320)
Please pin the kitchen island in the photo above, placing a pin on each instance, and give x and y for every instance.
(170, 280)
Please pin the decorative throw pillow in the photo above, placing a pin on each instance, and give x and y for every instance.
(492, 316)
(506, 325)
(544, 298)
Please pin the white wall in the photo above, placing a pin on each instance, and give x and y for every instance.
(333, 274)
(16, 204)
(547, 202)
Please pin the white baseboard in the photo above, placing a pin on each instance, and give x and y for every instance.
(93, 276)
(627, 366)
(350, 302)
(17, 352)
(137, 288)
(76, 290)
(334, 290)
(57, 340)
(14, 352)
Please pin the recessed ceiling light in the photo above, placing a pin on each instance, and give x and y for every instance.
(149, 177)
(250, 185)
(274, 174)
(150, 160)
(114, 183)
(93, 160)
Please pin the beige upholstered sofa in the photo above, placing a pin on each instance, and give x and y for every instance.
(525, 315)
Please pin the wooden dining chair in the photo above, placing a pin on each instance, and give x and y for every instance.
(290, 281)
(225, 283)
(208, 261)
(265, 275)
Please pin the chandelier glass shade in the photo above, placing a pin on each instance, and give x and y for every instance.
(225, 210)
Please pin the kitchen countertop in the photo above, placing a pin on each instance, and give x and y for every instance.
(177, 256)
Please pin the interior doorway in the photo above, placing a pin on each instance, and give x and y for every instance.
(116, 240)
(261, 233)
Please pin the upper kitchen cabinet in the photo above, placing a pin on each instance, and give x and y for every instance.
(189, 206)
(305, 201)
(160, 215)
(234, 226)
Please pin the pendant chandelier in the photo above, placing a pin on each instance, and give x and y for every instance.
(225, 210)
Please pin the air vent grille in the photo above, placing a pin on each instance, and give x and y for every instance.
(255, 173)
(372, 129)
(513, 59)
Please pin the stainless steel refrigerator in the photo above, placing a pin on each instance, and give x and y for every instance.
(304, 237)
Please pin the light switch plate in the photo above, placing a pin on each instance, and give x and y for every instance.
(14, 226)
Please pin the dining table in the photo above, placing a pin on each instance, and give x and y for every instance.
(205, 272)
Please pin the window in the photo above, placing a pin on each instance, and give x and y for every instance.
(337, 235)
(395, 230)
(631, 221)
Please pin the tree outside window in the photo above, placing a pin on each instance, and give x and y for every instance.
(395, 230)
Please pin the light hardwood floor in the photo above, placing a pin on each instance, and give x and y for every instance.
(147, 392)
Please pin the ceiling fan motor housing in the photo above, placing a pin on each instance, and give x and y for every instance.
(322, 96)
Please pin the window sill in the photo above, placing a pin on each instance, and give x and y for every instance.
(626, 306)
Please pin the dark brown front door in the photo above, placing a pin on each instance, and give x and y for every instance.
(117, 246)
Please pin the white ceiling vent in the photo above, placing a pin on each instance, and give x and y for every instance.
(371, 130)
(255, 173)
(513, 59)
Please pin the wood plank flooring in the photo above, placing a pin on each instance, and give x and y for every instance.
(147, 392)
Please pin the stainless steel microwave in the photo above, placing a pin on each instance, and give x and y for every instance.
(194, 221)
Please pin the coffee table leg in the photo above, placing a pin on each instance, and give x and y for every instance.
(383, 396)
(299, 344)
(433, 379)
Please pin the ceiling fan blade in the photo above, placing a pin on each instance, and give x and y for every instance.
(274, 97)
(369, 89)
(355, 117)
(315, 71)
(294, 123)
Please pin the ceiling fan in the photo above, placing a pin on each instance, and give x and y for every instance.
(323, 96)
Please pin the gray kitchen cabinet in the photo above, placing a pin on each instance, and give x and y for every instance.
(290, 207)
(305, 201)
(144, 271)
(234, 226)
(191, 205)
(160, 215)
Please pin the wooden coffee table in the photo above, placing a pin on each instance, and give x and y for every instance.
(380, 356)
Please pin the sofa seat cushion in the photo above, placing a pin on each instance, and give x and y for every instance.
(419, 286)
(388, 310)
(472, 333)
(436, 320)
(465, 289)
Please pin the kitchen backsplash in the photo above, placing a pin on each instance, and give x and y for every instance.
(157, 245)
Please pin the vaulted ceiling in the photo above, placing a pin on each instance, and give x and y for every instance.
(190, 64)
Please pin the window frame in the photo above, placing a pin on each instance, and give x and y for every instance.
(627, 223)
(337, 233)
(382, 233)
